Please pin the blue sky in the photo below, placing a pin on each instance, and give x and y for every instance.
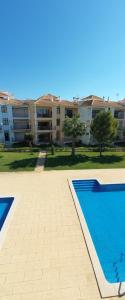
(65, 47)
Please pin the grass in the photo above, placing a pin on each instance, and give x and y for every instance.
(84, 160)
(14, 161)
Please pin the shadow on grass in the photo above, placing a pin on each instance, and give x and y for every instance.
(26, 163)
(63, 160)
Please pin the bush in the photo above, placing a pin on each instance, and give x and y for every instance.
(2, 146)
(18, 145)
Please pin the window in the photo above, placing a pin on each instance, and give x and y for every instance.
(58, 110)
(58, 135)
(120, 124)
(68, 112)
(95, 112)
(7, 136)
(4, 108)
(5, 121)
(58, 122)
(119, 114)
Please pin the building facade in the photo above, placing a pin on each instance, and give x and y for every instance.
(44, 117)
(88, 108)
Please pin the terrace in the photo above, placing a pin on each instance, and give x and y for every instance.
(43, 112)
(44, 125)
(21, 124)
(20, 112)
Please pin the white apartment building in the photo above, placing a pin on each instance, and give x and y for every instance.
(88, 108)
(14, 119)
(6, 120)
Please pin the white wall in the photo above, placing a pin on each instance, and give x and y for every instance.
(85, 116)
(9, 127)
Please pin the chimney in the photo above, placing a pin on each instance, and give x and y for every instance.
(75, 99)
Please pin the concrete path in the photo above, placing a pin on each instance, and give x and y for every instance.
(40, 162)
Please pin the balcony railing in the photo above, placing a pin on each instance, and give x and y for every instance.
(44, 115)
(44, 128)
(21, 126)
(20, 115)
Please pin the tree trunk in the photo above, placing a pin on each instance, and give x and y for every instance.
(30, 143)
(73, 147)
(100, 150)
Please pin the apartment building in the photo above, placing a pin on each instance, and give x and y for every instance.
(50, 113)
(45, 116)
(89, 106)
(6, 120)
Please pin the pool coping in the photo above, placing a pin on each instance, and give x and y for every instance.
(106, 289)
(9, 217)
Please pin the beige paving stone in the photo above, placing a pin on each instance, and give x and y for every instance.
(43, 255)
(40, 162)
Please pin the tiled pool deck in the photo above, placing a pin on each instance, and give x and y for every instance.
(44, 256)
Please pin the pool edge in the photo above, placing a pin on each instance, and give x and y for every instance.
(106, 289)
(9, 218)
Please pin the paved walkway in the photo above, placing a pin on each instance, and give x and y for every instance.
(43, 255)
(40, 162)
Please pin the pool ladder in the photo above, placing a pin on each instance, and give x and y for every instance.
(122, 257)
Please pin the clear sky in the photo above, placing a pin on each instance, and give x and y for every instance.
(65, 47)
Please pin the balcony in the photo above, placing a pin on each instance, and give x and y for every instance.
(44, 115)
(68, 113)
(20, 113)
(43, 112)
(44, 125)
(44, 138)
(95, 112)
(21, 127)
(44, 128)
(119, 114)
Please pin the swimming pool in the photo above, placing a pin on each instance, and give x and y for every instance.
(5, 205)
(101, 209)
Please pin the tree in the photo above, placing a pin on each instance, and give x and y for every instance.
(73, 128)
(29, 138)
(123, 132)
(104, 128)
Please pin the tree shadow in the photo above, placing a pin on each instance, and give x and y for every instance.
(22, 164)
(108, 159)
(62, 160)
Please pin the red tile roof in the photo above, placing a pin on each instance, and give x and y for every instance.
(95, 101)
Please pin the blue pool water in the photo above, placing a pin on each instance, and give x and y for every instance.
(5, 204)
(103, 207)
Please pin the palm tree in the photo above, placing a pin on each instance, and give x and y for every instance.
(73, 128)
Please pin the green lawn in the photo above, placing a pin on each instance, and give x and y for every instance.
(84, 160)
(17, 161)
